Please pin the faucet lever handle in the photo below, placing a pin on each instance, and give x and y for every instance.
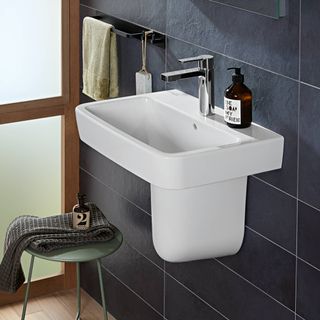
(205, 61)
(200, 58)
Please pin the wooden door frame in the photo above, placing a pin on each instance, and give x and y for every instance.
(63, 106)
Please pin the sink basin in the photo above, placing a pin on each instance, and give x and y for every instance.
(162, 138)
(158, 125)
(197, 166)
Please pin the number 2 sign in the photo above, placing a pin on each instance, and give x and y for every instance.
(81, 220)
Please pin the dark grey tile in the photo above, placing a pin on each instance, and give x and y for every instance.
(271, 213)
(276, 108)
(181, 304)
(84, 99)
(269, 43)
(122, 303)
(267, 266)
(119, 179)
(309, 151)
(137, 273)
(128, 65)
(275, 104)
(227, 292)
(299, 318)
(133, 223)
(308, 305)
(310, 49)
(152, 15)
(308, 234)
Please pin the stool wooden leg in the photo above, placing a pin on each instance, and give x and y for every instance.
(105, 313)
(78, 292)
(26, 297)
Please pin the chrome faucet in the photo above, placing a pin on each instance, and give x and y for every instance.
(205, 73)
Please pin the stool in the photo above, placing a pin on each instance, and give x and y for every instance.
(77, 255)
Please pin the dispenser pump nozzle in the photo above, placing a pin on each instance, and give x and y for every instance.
(237, 77)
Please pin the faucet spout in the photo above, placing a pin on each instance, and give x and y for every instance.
(181, 74)
(205, 73)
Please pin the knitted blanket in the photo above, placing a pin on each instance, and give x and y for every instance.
(45, 235)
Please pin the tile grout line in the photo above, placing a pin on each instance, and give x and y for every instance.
(300, 316)
(113, 190)
(274, 187)
(298, 168)
(141, 298)
(261, 290)
(138, 251)
(242, 9)
(286, 193)
(309, 85)
(274, 243)
(267, 239)
(308, 263)
(194, 294)
(310, 205)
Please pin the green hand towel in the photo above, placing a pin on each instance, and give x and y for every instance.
(100, 61)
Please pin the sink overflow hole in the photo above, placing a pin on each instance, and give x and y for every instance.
(195, 127)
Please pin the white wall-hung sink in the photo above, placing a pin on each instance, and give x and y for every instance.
(197, 167)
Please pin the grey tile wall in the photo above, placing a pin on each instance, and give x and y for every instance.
(309, 235)
(149, 13)
(268, 43)
(232, 295)
(308, 285)
(310, 50)
(138, 273)
(183, 304)
(272, 214)
(272, 269)
(309, 152)
(123, 302)
(276, 274)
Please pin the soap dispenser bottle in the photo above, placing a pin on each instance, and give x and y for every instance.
(238, 102)
(81, 214)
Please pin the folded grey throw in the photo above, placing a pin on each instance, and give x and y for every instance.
(45, 235)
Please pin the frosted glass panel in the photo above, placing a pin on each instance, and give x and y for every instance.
(30, 55)
(30, 176)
